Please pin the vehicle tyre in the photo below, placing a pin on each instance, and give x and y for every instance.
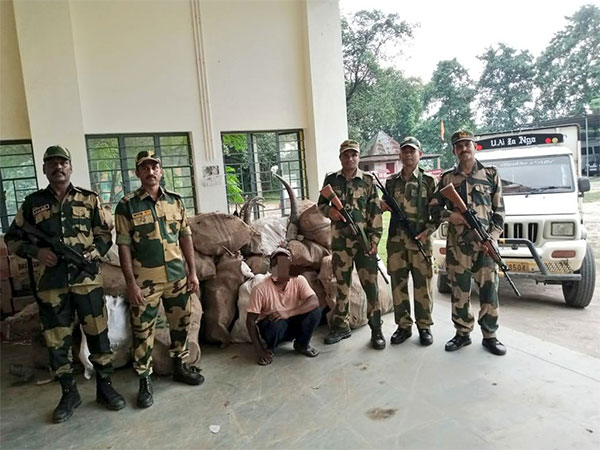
(578, 294)
(443, 285)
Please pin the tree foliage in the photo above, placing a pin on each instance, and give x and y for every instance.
(513, 89)
(369, 38)
(392, 104)
(568, 70)
(447, 97)
(505, 88)
(378, 97)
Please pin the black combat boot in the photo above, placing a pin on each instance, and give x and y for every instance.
(458, 342)
(144, 398)
(335, 335)
(106, 394)
(377, 339)
(400, 335)
(425, 337)
(68, 402)
(185, 374)
(494, 346)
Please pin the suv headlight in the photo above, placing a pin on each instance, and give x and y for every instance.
(562, 228)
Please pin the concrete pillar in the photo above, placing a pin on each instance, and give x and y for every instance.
(51, 83)
(327, 122)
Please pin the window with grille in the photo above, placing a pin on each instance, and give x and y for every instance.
(112, 165)
(17, 178)
(251, 157)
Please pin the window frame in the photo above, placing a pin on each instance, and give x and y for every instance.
(4, 216)
(303, 177)
(123, 157)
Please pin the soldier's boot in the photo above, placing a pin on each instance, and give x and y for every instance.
(458, 342)
(494, 346)
(68, 402)
(400, 335)
(144, 398)
(107, 395)
(185, 374)
(335, 335)
(425, 337)
(377, 339)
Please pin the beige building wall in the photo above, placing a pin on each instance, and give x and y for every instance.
(14, 121)
(203, 67)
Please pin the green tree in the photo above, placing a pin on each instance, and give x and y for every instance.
(369, 38)
(448, 97)
(568, 70)
(392, 104)
(505, 88)
(378, 97)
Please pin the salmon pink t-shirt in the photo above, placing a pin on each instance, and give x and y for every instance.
(266, 298)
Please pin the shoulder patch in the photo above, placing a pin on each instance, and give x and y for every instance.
(87, 191)
(491, 169)
(128, 197)
(173, 193)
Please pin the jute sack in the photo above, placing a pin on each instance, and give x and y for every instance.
(307, 253)
(315, 226)
(239, 332)
(219, 299)
(212, 232)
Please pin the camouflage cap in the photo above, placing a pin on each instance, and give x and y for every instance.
(410, 141)
(145, 155)
(57, 151)
(462, 135)
(349, 144)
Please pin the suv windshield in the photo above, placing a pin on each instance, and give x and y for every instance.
(539, 175)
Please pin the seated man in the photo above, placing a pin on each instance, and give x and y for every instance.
(282, 308)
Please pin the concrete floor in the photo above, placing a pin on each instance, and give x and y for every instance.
(540, 395)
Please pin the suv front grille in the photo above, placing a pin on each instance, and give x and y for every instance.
(520, 230)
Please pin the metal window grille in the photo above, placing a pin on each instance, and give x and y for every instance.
(17, 178)
(112, 165)
(250, 158)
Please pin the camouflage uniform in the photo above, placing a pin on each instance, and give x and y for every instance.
(359, 197)
(62, 290)
(413, 196)
(481, 191)
(152, 231)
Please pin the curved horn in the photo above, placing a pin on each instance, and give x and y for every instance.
(246, 209)
(294, 216)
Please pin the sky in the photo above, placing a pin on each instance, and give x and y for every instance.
(463, 29)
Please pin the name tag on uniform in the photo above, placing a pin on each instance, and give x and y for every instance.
(41, 213)
(41, 209)
(142, 217)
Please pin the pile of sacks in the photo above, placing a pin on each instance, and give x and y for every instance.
(231, 257)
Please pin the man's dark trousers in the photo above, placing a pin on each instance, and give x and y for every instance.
(299, 328)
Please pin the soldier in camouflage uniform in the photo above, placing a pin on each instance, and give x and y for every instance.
(481, 190)
(356, 190)
(74, 216)
(152, 233)
(413, 189)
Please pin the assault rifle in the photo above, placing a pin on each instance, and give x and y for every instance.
(63, 251)
(357, 231)
(475, 224)
(401, 216)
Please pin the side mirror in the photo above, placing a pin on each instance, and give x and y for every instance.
(583, 184)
